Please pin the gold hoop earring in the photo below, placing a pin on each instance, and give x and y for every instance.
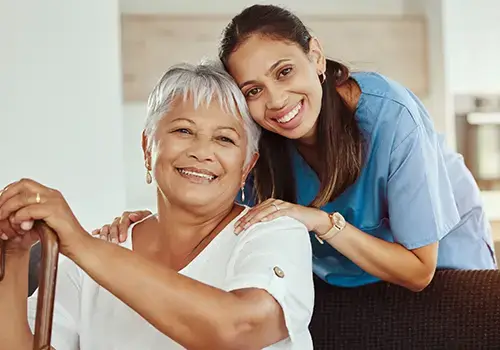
(322, 78)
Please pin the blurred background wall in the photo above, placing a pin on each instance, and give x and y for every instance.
(74, 76)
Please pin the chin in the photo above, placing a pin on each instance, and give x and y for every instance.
(194, 199)
(298, 133)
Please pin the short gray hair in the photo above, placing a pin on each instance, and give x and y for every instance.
(204, 81)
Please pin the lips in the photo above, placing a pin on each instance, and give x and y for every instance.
(286, 113)
(197, 173)
(290, 114)
(290, 118)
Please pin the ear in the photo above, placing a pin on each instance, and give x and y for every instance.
(250, 166)
(317, 55)
(147, 153)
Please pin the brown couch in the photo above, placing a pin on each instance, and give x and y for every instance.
(458, 310)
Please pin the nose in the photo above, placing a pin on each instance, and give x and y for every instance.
(276, 98)
(201, 149)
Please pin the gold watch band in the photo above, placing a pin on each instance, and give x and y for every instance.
(338, 224)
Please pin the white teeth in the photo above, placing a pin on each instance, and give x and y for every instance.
(192, 173)
(290, 115)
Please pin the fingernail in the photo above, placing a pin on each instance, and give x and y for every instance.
(103, 237)
(114, 240)
(95, 231)
(4, 237)
(264, 219)
(122, 238)
(26, 225)
(246, 225)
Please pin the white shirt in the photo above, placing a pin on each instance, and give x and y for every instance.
(274, 256)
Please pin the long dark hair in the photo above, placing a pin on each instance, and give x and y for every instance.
(339, 140)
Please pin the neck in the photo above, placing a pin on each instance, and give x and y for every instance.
(180, 231)
(349, 93)
(309, 139)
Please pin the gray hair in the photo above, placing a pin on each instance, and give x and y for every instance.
(204, 81)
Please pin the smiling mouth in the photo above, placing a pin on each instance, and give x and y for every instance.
(196, 176)
(290, 115)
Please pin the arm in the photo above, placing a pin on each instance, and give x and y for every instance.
(391, 262)
(422, 211)
(14, 328)
(190, 312)
(17, 315)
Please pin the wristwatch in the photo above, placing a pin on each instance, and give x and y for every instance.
(338, 224)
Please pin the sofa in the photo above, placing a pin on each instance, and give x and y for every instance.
(458, 310)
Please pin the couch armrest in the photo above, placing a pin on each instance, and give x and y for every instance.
(459, 309)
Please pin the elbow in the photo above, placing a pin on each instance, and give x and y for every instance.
(232, 337)
(223, 335)
(243, 335)
(220, 338)
(420, 282)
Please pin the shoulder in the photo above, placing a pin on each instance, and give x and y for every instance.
(279, 226)
(283, 234)
(379, 90)
(386, 106)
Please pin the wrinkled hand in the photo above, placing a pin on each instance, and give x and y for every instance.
(117, 231)
(274, 208)
(27, 201)
(18, 238)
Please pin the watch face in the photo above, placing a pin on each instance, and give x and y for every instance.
(339, 220)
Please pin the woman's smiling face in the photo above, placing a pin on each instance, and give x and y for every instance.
(280, 83)
(198, 154)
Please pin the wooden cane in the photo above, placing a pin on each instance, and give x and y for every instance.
(46, 287)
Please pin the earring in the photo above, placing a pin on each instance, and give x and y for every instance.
(243, 192)
(322, 78)
(149, 178)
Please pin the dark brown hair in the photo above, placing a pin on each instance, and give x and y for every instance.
(339, 140)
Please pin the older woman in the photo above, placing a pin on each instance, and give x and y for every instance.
(182, 278)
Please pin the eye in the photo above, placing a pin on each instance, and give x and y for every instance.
(226, 139)
(183, 131)
(285, 72)
(253, 92)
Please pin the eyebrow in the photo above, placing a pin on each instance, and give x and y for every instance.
(229, 128)
(182, 119)
(218, 128)
(273, 67)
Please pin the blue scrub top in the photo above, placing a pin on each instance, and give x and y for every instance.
(412, 190)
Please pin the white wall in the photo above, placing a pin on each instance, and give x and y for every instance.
(472, 44)
(60, 101)
(140, 195)
(314, 7)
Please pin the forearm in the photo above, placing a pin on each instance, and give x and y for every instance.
(191, 313)
(14, 327)
(386, 260)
